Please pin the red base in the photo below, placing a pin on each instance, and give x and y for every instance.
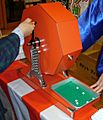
(41, 99)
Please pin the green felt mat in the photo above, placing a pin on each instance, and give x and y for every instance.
(75, 92)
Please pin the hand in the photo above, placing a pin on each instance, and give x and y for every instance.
(27, 26)
(98, 86)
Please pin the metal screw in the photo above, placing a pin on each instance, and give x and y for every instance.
(70, 57)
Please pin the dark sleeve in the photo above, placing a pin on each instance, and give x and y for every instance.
(9, 49)
(91, 24)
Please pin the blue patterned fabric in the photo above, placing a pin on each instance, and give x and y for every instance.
(9, 49)
(91, 28)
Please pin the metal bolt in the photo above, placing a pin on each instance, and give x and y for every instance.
(70, 57)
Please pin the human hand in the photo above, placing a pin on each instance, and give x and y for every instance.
(26, 27)
(98, 86)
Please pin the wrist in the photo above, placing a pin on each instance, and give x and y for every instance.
(20, 35)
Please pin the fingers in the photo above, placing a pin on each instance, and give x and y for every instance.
(98, 82)
(28, 20)
(100, 90)
(98, 86)
(94, 85)
(33, 23)
(97, 89)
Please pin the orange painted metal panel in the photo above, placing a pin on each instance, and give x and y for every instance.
(52, 9)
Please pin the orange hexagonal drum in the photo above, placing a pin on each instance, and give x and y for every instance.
(59, 35)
